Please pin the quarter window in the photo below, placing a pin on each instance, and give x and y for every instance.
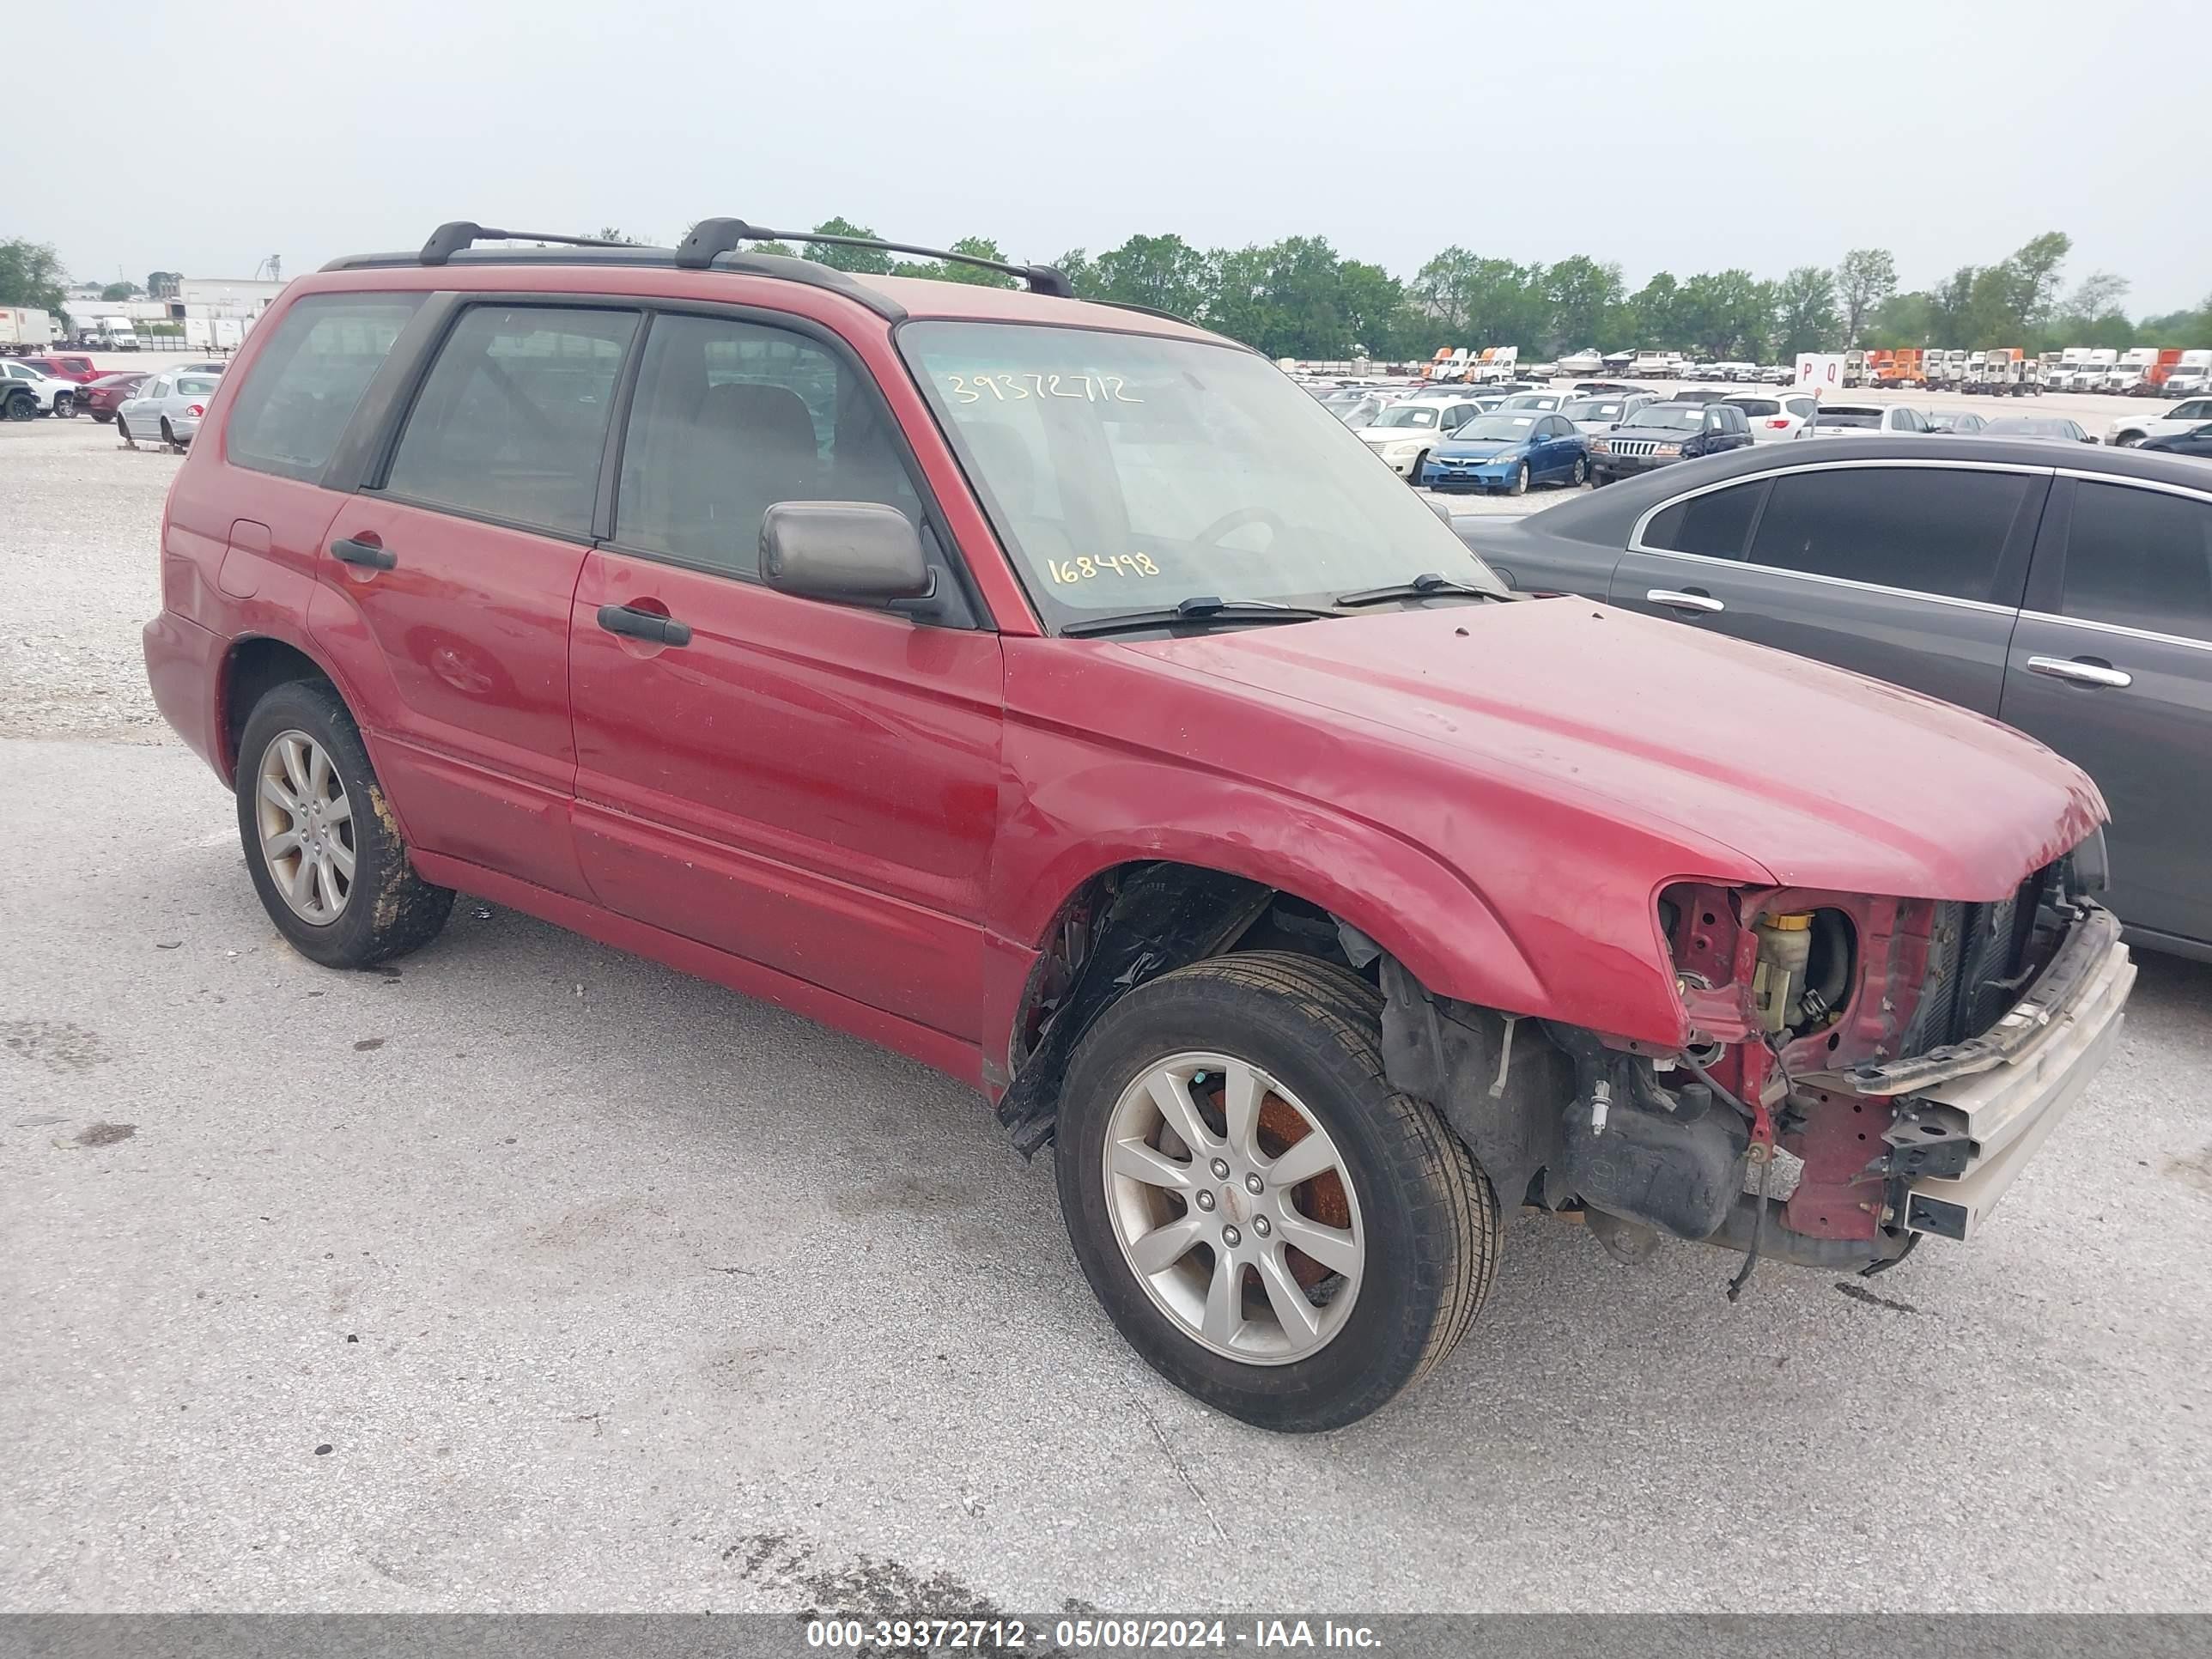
(731, 417)
(302, 389)
(512, 419)
(1929, 530)
(1716, 524)
(2140, 558)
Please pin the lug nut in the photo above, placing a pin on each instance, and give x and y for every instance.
(1204, 1199)
(1232, 1237)
(1221, 1169)
(1260, 1225)
(1253, 1185)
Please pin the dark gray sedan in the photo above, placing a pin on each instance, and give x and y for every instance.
(2066, 593)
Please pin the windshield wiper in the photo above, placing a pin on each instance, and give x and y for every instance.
(1427, 586)
(1200, 608)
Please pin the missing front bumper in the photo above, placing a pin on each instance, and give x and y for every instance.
(2002, 1094)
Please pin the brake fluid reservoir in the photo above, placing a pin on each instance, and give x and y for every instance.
(1785, 945)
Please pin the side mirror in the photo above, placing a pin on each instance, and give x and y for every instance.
(854, 552)
(2088, 438)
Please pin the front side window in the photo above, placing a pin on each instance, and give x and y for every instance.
(510, 423)
(303, 388)
(1129, 471)
(731, 417)
(1928, 530)
(2140, 558)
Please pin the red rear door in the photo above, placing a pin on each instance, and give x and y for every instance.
(447, 586)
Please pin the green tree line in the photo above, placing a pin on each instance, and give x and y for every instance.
(1300, 298)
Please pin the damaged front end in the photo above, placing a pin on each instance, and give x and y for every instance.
(1855, 1071)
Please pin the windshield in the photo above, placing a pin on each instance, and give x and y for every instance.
(1410, 415)
(1509, 427)
(1592, 409)
(1532, 400)
(1129, 472)
(196, 385)
(1362, 413)
(2025, 426)
(1675, 417)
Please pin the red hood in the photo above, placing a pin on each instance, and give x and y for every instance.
(1823, 778)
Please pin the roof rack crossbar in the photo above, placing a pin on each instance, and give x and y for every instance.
(452, 237)
(711, 237)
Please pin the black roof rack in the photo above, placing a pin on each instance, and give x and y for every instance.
(452, 237)
(711, 238)
(713, 244)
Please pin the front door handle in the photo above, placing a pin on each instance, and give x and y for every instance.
(367, 555)
(1675, 599)
(2081, 671)
(647, 625)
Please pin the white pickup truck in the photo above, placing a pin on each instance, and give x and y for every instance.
(2128, 430)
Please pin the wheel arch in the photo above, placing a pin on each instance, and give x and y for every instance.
(255, 665)
(1130, 920)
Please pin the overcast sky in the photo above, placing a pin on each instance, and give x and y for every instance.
(1684, 135)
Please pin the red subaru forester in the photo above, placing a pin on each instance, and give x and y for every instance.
(1054, 693)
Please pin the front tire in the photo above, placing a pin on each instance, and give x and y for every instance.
(2127, 439)
(65, 406)
(323, 848)
(1520, 484)
(1354, 1238)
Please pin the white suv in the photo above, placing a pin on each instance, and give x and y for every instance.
(1774, 415)
(1857, 420)
(56, 396)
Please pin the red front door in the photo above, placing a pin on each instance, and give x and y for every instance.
(812, 787)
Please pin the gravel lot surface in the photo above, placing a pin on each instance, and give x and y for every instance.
(529, 1275)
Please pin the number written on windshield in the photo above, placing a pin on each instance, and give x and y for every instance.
(1007, 388)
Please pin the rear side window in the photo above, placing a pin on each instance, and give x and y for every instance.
(1716, 524)
(510, 423)
(302, 389)
(731, 417)
(2140, 558)
(1926, 529)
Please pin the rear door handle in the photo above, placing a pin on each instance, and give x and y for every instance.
(2081, 673)
(647, 625)
(366, 554)
(1675, 599)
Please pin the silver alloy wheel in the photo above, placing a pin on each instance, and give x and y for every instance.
(1221, 1230)
(307, 827)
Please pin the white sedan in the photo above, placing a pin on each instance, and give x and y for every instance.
(2128, 430)
(169, 406)
(1404, 434)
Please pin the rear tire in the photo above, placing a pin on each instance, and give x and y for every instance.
(1581, 473)
(103, 416)
(322, 846)
(1238, 1314)
(22, 407)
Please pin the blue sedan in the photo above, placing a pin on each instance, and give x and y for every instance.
(1508, 451)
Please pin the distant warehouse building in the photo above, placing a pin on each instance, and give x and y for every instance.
(214, 312)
